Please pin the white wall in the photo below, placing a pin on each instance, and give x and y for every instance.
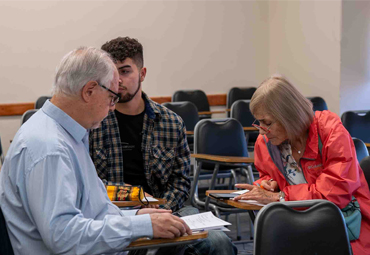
(355, 56)
(211, 45)
(305, 46)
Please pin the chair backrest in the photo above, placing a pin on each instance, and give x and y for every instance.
(365, 166)
(357, 124)
(320, 229)
(27, 115)
(240, 111)
(40, 101)
(238, 94)
(220, 137)
(5, 245)
(319, 103)
(187, 111)
(361, 149)
(1, 153)
(197, 97)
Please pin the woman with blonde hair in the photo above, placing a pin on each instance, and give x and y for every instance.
(302, 155)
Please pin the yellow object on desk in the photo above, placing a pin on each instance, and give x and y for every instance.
(125, 193)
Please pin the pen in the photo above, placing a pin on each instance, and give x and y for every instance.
(259, 185)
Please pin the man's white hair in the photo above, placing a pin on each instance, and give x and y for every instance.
(79, 67)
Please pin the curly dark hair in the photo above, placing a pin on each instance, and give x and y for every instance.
(125, 47)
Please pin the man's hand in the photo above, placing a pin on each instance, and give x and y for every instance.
(152, 210)
(166, 225)
(257, 193)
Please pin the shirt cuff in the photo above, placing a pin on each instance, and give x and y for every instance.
(129, 212)
(142, 226)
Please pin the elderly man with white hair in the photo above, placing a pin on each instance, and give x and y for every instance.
(51, 197)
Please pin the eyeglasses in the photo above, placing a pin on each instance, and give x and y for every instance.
(115, 99)
(267, 130)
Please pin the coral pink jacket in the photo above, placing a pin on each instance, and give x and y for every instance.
(333, 174)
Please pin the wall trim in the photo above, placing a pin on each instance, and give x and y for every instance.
(20, 108)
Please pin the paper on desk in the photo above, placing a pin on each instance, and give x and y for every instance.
(151, 199)
(204, 221)
(239, 192)
(252, 202)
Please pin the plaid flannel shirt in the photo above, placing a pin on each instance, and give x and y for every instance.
(165, 150)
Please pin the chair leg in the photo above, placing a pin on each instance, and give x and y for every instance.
(194, 198)
(212, 185)
(238, 234)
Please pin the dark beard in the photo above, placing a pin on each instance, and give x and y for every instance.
(128, 97)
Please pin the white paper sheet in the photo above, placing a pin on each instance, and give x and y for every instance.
(204, 221)
(253, 202)
(151, 199)
(239, 192)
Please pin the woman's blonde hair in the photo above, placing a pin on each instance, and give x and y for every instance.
(281, 100)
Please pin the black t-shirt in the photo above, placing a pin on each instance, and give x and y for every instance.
(130, 129)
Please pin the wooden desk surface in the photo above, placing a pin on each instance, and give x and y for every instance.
(144, 242)
(224, 159)
(161, 201)
(210, 112)
(250, 129)
(236, 204)
(367, 145)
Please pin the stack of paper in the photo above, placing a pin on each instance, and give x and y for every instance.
(205, 221)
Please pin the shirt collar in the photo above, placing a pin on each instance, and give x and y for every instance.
(77, 131)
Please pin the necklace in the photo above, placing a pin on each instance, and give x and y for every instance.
(299, 151)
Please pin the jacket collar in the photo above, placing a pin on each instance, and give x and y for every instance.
(312, 143)
(151, 108)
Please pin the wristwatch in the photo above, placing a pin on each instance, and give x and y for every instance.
(281, 196)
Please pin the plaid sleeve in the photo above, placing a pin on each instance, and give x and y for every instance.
(178, 185)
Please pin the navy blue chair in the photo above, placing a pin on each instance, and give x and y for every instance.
(1, 153)
(189, 113)
(320, 229)
(5, 245)
(40, 101)
(318, 103)
(365, 166)
(240, 111)
(361, 149)
(27, 115)
(358, 124)
(197, 97)
(236, 94)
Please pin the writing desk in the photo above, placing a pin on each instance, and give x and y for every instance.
(161, 201)
(367, 145)
(223, 159)
(217, 160)
(144, 243)
(250, 129)
(210, 112)
(240, 205)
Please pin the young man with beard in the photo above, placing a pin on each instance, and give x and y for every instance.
(143, 143)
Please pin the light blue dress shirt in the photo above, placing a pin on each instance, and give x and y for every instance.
(51, 196)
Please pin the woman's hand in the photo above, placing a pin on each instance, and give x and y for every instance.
(270, 185)
(257, 193)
